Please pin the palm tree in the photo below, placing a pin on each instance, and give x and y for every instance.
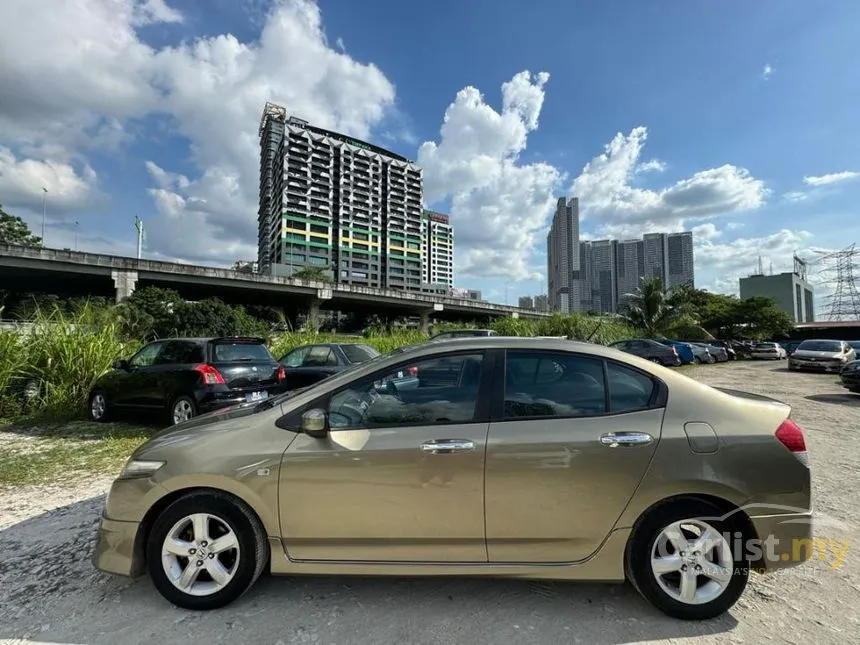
(651, 309)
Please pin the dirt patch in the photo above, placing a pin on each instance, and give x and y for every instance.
(49, 592)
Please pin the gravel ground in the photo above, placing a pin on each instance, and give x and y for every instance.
(49, 592)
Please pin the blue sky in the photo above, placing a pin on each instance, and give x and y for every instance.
(733, 119)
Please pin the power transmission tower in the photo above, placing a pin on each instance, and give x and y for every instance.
(841, 270)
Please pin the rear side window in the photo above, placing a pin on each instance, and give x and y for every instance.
(545, 384)
(180, 352)
(359, 353)
(629, 390)
(227, 352)
(320, 356)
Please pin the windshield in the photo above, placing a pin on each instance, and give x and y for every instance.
(359, 353)
(820, 346)
(241, 352)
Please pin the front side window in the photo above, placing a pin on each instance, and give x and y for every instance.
(547, 384)
(428, 392)
(146, 356)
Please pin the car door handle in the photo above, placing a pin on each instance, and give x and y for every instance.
(447, 446)
(615, 439)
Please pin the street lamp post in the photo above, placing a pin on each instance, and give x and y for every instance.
(77, 223)
(44, 211)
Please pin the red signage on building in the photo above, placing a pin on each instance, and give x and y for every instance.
(437, 217)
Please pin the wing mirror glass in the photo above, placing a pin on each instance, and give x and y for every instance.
(315, 423)
(120, 364)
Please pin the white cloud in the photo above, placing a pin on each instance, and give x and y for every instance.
(832, 178)
(21, 183)
(653, 165)
(767, 71)
(719, 265)
(607, 196)
(795, 196)
(498, 205)
(706, 231)
(212, 91)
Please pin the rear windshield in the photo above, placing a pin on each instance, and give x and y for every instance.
(227, 352)
(765, 346)
(820, 346)
(359, 353)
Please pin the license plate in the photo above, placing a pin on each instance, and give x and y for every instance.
(256, 396)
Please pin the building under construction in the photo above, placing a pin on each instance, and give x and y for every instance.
(792, 292)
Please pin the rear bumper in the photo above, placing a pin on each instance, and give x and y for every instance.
(209, 400)
(119, 548)
(784, 541)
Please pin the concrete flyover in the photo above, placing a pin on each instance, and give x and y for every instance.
(72, 273)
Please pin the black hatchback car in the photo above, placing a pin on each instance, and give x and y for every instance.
(184, 377)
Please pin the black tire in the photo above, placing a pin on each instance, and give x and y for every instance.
(656, 360)
(106, 414)
(184, 401)
(697, 360)
(253, 548)
(642, 543)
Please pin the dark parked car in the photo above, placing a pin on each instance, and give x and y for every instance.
(726, 345)
(184, 377)
(650, 350)
(310, 364)
(850, 376)
(463, 333)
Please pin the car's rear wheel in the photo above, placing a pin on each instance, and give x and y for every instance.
(205, 550)
(99, 410)
(182, 409)
(680, 559)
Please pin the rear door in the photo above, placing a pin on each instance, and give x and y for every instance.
(173, 371)
(570, 439)
(247, 366)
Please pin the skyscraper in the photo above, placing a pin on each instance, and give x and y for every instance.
(335, 202)
(437, 241)
(655, 249)
(563, 258)
(680, 259)
(629, 267)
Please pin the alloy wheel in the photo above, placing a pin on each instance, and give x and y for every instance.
(692, 562)
(200, 554)
(98, 405)
(182, 411)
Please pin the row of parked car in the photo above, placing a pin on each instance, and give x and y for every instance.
(191, 376)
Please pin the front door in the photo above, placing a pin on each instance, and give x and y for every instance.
(132, 387)
(400, 478)
(561, 466)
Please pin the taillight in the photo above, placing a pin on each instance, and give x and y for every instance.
(674, 350)
(282, 373)
(209, 374)
(412, 371)
(791, 436)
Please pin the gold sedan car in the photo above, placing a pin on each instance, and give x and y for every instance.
(527, 458)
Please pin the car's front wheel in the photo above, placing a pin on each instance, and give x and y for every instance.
(680, 559)
(205, 550)
(98, 406)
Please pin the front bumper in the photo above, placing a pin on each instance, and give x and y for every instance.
(818, 366)
(785, 541)
(850, 379)
(119, 548)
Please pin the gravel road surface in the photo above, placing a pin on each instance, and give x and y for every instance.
(49, 592)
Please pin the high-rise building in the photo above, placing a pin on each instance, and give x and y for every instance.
(437, 242)
(540, 303)
(604, 284)
(332, 201)
(679, 265)
(792, 293)
(526, 302)
(563, 258)
(629, 267)
(655, 249)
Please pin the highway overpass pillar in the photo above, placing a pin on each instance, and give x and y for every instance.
(425, 317)
(314, 309)
(124, 281)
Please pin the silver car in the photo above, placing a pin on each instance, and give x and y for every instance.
(822, 355)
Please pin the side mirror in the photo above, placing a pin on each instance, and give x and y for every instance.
(315, 423)
(120, 364)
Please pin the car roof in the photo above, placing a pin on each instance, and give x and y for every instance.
(206, 339)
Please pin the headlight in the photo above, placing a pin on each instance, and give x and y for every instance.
(139, 468)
